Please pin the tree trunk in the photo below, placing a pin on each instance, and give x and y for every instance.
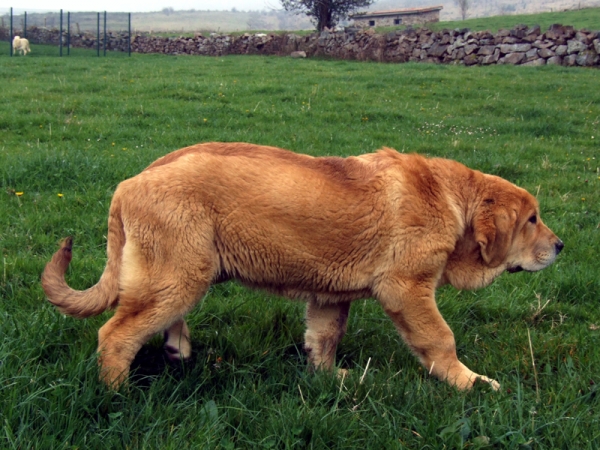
(323, 15)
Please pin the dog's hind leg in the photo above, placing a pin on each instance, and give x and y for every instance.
(153, 298)
(325, 328)
(178, 345)
(136, 320)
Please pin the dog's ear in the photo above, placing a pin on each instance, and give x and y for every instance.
(493, 229)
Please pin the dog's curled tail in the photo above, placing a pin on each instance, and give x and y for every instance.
(96, 299)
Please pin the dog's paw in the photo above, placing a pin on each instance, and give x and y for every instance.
(173, 354)
(483, 379)
(177, 348)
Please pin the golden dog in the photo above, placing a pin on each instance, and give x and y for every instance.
(324, 230)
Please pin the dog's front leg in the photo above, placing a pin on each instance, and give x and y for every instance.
(411, 306)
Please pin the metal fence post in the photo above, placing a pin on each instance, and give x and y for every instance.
(69, 33)
(98, 37)
(11, 31)
(104, 33)
(25, 26)
(129, 28)
(60, 43)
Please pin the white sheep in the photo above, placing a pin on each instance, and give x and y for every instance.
(21, 45)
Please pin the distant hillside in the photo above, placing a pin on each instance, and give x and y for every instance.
(223, 21)
(171, 21)
(486, 8)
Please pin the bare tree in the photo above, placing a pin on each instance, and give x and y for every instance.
(325, 13)
(464, 6)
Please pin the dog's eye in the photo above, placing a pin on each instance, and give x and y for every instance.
(533, 219)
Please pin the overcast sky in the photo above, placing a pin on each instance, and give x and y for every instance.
(141, 5)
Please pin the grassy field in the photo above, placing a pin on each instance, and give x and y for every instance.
(72, 128)
(583, 18)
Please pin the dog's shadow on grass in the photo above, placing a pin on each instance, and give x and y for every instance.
(151, 363)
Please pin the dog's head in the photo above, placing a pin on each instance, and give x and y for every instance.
(506, 233)
(510, 232)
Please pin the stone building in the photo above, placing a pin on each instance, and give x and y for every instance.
(411, 16)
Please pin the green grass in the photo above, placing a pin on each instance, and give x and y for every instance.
(588, 18)
(77, 126)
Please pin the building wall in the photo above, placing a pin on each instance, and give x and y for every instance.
(405, 19)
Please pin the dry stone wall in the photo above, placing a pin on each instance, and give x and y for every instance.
(523, 45)
(560, 45)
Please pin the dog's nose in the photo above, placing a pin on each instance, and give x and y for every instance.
(559, 246)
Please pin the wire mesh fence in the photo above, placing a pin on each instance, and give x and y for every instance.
(102, 31)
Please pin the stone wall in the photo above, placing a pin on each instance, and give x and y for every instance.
(561, 45)
(521, 45)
